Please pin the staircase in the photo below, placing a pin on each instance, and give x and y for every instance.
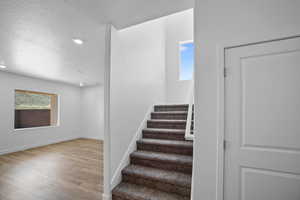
(161, 168)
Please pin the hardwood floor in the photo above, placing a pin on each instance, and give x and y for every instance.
(66, 171)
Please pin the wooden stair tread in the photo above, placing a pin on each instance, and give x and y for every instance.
(171, 177)
(171, 105)
(170, 112)
(127, 191)
(174, 107)
(164, 134)
(166, 142)
(184, 159)
(167, 120)
(164, 130)
(166, 123)
(176, 115)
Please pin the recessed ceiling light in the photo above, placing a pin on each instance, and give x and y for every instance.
(77, 41)
(3, 67)
(81, 84)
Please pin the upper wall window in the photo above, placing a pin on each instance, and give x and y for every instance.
(35, 109)
(186, 61)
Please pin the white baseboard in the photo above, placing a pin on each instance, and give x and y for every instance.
(117, 177)
(106, 196)
(39, 144)
(92, 137)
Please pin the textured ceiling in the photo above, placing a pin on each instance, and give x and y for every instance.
(124, 13)
(36, 35)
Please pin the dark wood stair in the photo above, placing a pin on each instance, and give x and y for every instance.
(161, 168)
(178, 107)
(128, 191)
(168, 124)
(167, 134)
(181, 115)
(173, 162)
(166, 146)
(168, 181)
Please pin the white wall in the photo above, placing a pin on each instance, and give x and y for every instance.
(178, 28)
(219, 22)
(69, 102)
(92, 112)
(137, 81)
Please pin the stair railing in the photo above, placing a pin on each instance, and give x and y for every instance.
(188, 135)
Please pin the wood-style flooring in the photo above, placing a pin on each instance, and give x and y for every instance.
(65, 171)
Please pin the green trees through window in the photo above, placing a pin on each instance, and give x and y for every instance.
(35, 109)
(26, 100)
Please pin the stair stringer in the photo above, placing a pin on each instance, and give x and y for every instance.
(117, 177)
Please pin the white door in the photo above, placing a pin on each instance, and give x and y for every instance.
(262, 121)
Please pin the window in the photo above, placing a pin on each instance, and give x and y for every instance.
(186, 60)
(35, 109)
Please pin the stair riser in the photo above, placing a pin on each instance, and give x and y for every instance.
(166, 125)
(179, 167)
(170, 108)
(163, 136)
(156, 184)
(181, 116)
(114, 197)
(165, 149)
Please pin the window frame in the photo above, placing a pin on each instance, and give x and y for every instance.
(57, 96)
(179, 59)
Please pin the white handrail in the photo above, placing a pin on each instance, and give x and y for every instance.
(188, 135)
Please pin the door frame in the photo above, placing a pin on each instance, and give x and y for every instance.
(106, 154)
(220, 50)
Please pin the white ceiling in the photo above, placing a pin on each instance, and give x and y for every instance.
(124, 13)
(36, 35)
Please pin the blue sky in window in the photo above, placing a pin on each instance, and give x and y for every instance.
(186, 61)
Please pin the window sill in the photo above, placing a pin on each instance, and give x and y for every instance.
(35, 128)
(185, 80)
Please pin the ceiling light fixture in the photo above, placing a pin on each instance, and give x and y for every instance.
(77, 41)
(81, 84)
(3, 67)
